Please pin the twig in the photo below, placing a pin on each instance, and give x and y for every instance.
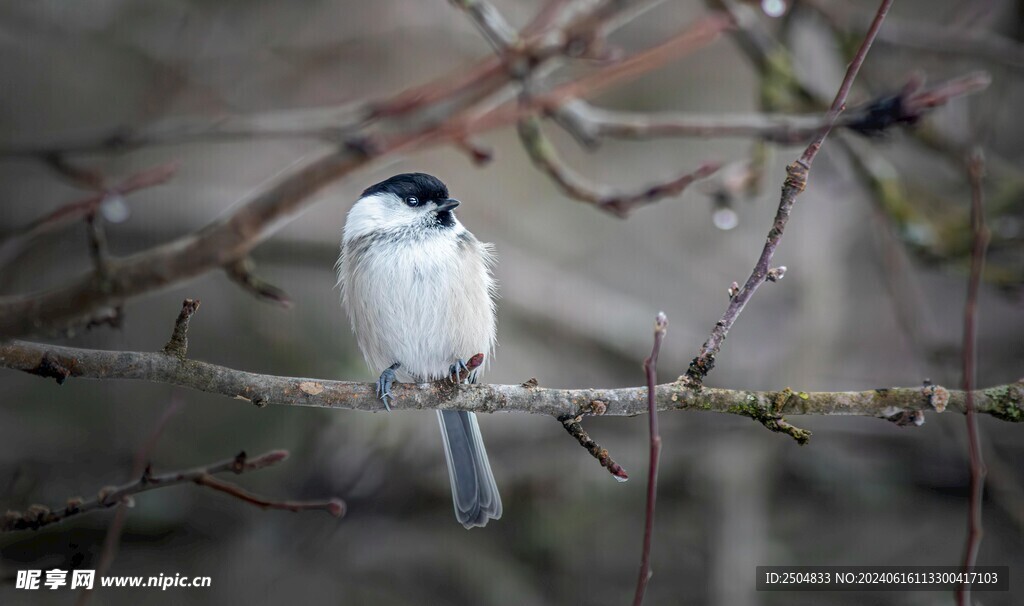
(477, 152)
(38, 516)
(335, 507)
(572, 424)
(979, 242)
(113, 536)
(698, 35)
(588, 124)
(78, 175)
(774, 62)
(82, 209)
(839, 103)
(1005, 402)
(98, 250)
(485, 76)
(651, 370)
(498, 33)
(241, 273)
(619, 203)
(796, 181)
(177, 346)
(149, 177)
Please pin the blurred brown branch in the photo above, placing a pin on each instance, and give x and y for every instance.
(37, 516)
(85, 208)
(452, 116)
(1004, 402)
(448, 111)
(619, 203)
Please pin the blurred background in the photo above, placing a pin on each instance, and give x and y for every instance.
(873, 297)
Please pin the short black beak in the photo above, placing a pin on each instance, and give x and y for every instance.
(448, 204)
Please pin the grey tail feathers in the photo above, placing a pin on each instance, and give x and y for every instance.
(473, 489)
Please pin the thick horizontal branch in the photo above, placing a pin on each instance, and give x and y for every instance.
(1005, 402)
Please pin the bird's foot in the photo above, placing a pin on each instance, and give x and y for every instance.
(384, 383)
(456, 369)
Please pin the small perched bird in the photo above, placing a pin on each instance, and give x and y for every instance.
(418, 290)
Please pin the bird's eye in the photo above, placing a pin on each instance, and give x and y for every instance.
(412, 201)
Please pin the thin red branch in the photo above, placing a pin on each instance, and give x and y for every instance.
(486, 74)
(651, 370)
(979, 243)
(78, 210)
(702, 32)
(470, 121)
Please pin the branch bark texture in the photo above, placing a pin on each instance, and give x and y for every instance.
(1004, 402)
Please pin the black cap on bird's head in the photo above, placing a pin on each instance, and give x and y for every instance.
(423, 187)
(418, 190)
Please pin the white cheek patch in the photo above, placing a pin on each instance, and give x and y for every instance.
(379, 212)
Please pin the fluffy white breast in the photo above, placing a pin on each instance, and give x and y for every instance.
(420, 297)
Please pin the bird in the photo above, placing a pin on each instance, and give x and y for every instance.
(418, 289)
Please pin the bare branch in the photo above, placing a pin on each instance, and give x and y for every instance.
(112, 539)
(241, 273)
(98, 249)
(477, 152)
(79, 210)
(651, 370)
(588, 123)
(498, 33)
(335, 507)
(177, 346)
(1005, 402)
(979, 243)
(78, 175)
(619, 203)
(38, 516)
(573, 425)
(699, 34)
(839, 103)
(796, 181)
